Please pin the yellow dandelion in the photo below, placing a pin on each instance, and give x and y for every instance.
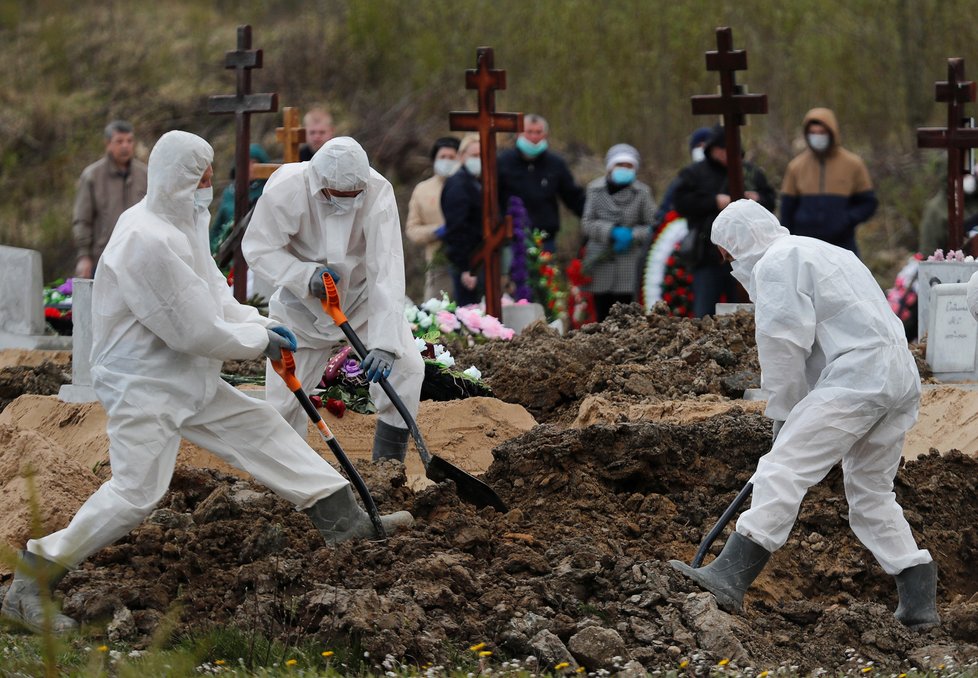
(723, 662)
(902, 675)
(477, 647)
(327, 653)
(867, 669)
(561, 666)
(102, 648)
(580, 669)
(763, 674)
(485, 653)
(220, 662)
(291, 662)
(684, 663)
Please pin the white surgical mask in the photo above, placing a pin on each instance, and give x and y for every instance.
(969, 184)
(203, 197)
(339, 206)
(474, 166)
(819, 142)
(698, 154)
(445, 167)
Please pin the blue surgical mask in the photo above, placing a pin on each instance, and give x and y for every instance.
(474, 166)
(622, 175)
(445, 167)
(530, 149)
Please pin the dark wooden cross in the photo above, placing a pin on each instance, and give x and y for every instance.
(291, 135)
(731, 103)
(956, 91)
(486, 121)
(242, 104)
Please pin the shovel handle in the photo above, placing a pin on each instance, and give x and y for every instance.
(285, 368)
(722, 523)
(331, 304)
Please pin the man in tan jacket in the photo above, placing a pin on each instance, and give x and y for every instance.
(425, 218)
(106, 189)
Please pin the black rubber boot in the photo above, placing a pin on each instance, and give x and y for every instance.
(390, 442)
(24, 602)
(339, 517)
(917, 587)
(731, 573)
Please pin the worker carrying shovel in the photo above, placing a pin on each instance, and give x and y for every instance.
(842, 386)
(163, 321)
(335, 214)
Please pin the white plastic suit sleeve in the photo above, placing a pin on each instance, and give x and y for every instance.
(266, 245)
(385, 269)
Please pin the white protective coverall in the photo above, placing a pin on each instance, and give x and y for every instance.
(295, 229)
(837, 370)
(164, 319)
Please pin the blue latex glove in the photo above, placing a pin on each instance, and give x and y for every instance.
(277, 343)
(316, 287)
(441, 231)
(284, 331)
(621, 236)
(378, 363)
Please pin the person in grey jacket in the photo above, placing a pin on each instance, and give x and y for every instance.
(617, 223)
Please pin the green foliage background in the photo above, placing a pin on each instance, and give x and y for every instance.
(601, 72)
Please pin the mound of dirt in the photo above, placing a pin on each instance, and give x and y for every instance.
(44, 378)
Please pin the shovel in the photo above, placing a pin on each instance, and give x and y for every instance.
(722, 523)
(286, 369)
(469, 488)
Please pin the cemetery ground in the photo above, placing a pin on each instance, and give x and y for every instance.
(637, 442)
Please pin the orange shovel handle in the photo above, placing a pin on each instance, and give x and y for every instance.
(331, 304)
(285, 368)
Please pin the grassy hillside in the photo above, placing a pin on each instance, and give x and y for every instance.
(391, 70)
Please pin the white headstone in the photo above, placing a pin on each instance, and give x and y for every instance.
(80, 389)
(931, 273)
(519, 316)
(952, 335)
(22, 302)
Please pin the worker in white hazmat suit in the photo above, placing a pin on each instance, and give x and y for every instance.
(164, 320)
(334, 213)
(842, 386)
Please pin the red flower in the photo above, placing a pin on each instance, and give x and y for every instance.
(337, 407)
(669, 280)
(671, 261)
(667, 298)
(680, 272)
(317, 401)
(52, 313)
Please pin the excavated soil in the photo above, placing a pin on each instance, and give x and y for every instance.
(640, 453)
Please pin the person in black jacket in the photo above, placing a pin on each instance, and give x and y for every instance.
(538, 177)
(461, 204)
(702, 192)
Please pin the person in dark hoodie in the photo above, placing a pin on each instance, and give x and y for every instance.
(702, 192)
(826, 191)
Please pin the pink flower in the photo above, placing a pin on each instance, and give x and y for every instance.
(470, 317)
(493, 329)
(447, 321)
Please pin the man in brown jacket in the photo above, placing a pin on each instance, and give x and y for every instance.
(106, 189)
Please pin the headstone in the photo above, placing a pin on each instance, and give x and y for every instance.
(931, 273)
(952, 344)
(22, 302)
(80, 389)
(487, 121)
(519, 316)
(730, 309)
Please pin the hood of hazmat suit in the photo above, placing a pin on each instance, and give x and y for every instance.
(296, 229)
(813, 302)
(163, 316)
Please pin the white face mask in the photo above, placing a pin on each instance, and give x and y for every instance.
(698, 154)
(203, 197)
(819, 142)
(337, 205)
(969, 183)
(445, 167)
(474, 166)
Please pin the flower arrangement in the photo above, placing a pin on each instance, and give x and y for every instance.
(902, 297)
(57, 305)
(442, 321)
(519, 274)
(665, 278)
(951, 255)
(580, 304)
(344, 385)
(545, 279)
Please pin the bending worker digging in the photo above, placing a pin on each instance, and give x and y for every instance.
(164, 320)
(842, 386)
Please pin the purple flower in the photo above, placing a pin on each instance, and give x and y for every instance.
(66, 287)
(518, 271)
(351, 368)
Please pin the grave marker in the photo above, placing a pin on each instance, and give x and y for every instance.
(80, 389)
(956, 91)
(242, 104)
(486, 121)
(22, 322)
(731, 103)
(952, 339)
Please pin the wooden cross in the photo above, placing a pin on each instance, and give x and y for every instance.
(956, 91)
(291, 135)
(731, 103)
(486, 121)
(242, 104)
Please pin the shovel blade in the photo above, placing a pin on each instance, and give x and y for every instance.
(469, 488)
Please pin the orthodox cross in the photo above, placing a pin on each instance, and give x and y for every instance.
(486, 121)
(291, 135)
(731, 103)
(956, 91)
(242, 104)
